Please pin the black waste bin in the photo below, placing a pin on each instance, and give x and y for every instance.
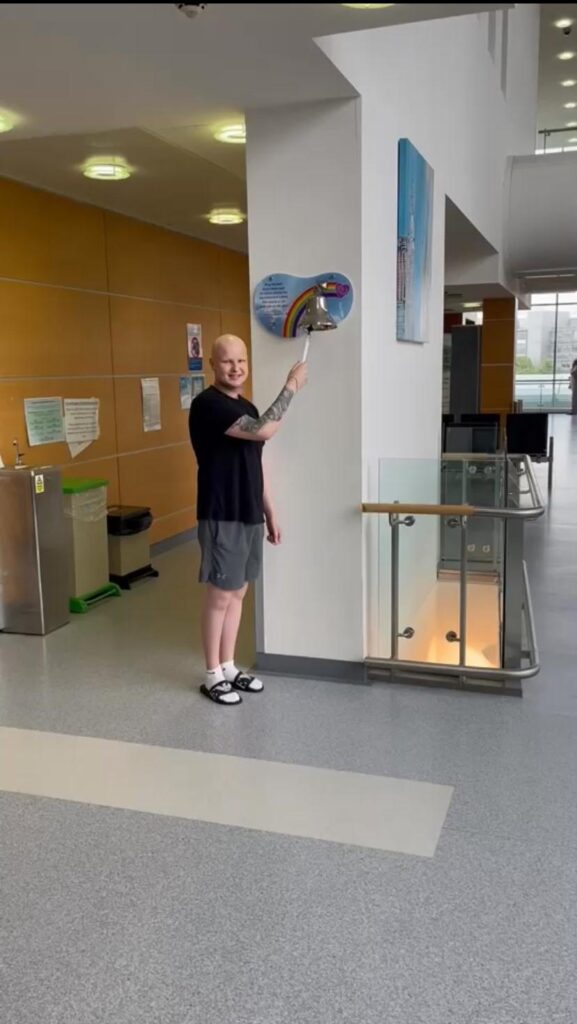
(129, 544)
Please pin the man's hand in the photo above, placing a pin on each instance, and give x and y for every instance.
(273, 533)
(298, 377)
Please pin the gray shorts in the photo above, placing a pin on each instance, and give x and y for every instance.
(231, 553)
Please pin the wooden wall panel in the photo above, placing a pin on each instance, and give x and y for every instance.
(172, 525)
(497, 386)
(147, 261)
(233, 283)
(46, 238)
(149, 338)
(92, 302)
(498, 355)
(164, 478)
(130, 434)
(13, 423)
(53, 332)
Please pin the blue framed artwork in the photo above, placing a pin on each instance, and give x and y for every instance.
(414, 244)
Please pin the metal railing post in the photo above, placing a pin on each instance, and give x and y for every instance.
(463, 596)
(394, 523)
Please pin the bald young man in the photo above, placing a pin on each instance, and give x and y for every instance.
(233, 504)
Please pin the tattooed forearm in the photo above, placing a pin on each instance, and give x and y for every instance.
(274, 413)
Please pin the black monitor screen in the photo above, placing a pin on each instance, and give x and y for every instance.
(527, 433)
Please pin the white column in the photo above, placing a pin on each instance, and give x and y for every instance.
(304, 188)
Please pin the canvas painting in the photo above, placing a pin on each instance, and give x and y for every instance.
(414, 242)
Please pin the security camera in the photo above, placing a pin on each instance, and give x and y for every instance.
(567, 30)
(191, 10)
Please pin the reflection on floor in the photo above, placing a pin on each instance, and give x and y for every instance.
(112, 916)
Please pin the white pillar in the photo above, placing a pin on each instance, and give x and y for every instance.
(304, 188)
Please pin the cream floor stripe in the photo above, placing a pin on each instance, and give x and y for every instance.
(396, 815)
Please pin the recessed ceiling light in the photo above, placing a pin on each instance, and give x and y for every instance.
(570, 106)
(571, 124)
(107, 168)
(367, 7)
(563, 23)
(6, 123)
(566, 55)
(572, 140)
(471, 305)
(569, 83)
(233, 133)
(226, 216)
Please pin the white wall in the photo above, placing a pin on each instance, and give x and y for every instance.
(436, 84)
(304, 185)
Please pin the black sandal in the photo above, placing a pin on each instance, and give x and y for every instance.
(218, 692)
(243, 682)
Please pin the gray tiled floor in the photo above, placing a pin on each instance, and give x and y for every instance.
(126, 918)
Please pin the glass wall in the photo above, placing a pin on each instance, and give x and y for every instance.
(545, 349)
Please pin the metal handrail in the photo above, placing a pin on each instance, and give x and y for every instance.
(410, 508)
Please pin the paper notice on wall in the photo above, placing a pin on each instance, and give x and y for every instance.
(44, 420)
(150, 404)
(82, 423)
(194, 347)
(190, 387)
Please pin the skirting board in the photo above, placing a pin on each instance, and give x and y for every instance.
(311, 668)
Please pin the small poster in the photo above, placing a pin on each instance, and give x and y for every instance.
(81, 423)
(194, 347)
(190, 387)
(150, 404)
(44, 420)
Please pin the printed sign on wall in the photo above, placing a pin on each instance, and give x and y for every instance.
(280, 300)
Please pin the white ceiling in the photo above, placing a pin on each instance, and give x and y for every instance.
(148, 83)
(553, 71)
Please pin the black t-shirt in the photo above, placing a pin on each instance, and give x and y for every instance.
(230, 480)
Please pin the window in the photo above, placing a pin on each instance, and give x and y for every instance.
(546, 345)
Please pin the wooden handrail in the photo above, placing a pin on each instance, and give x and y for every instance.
(386, 509)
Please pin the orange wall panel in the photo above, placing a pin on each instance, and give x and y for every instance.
(233, 284)
(46, 238)
(130, 433)
(53, 332)
(497, 386)
(147, 261)
(91, 302)
(172, 525)
(164, 478)
(499, 342)
(149, 338)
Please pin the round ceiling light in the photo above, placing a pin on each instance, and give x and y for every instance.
(107, 168)
(572, 140)
(234, 134)
(367, 7)
(563, 23)
(6, 123)
(571, 124)
(569, 83)
(570, 106)
(566, 55)
(226, 216)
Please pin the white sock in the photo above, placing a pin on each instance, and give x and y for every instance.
(214, 676)
(229, 671)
